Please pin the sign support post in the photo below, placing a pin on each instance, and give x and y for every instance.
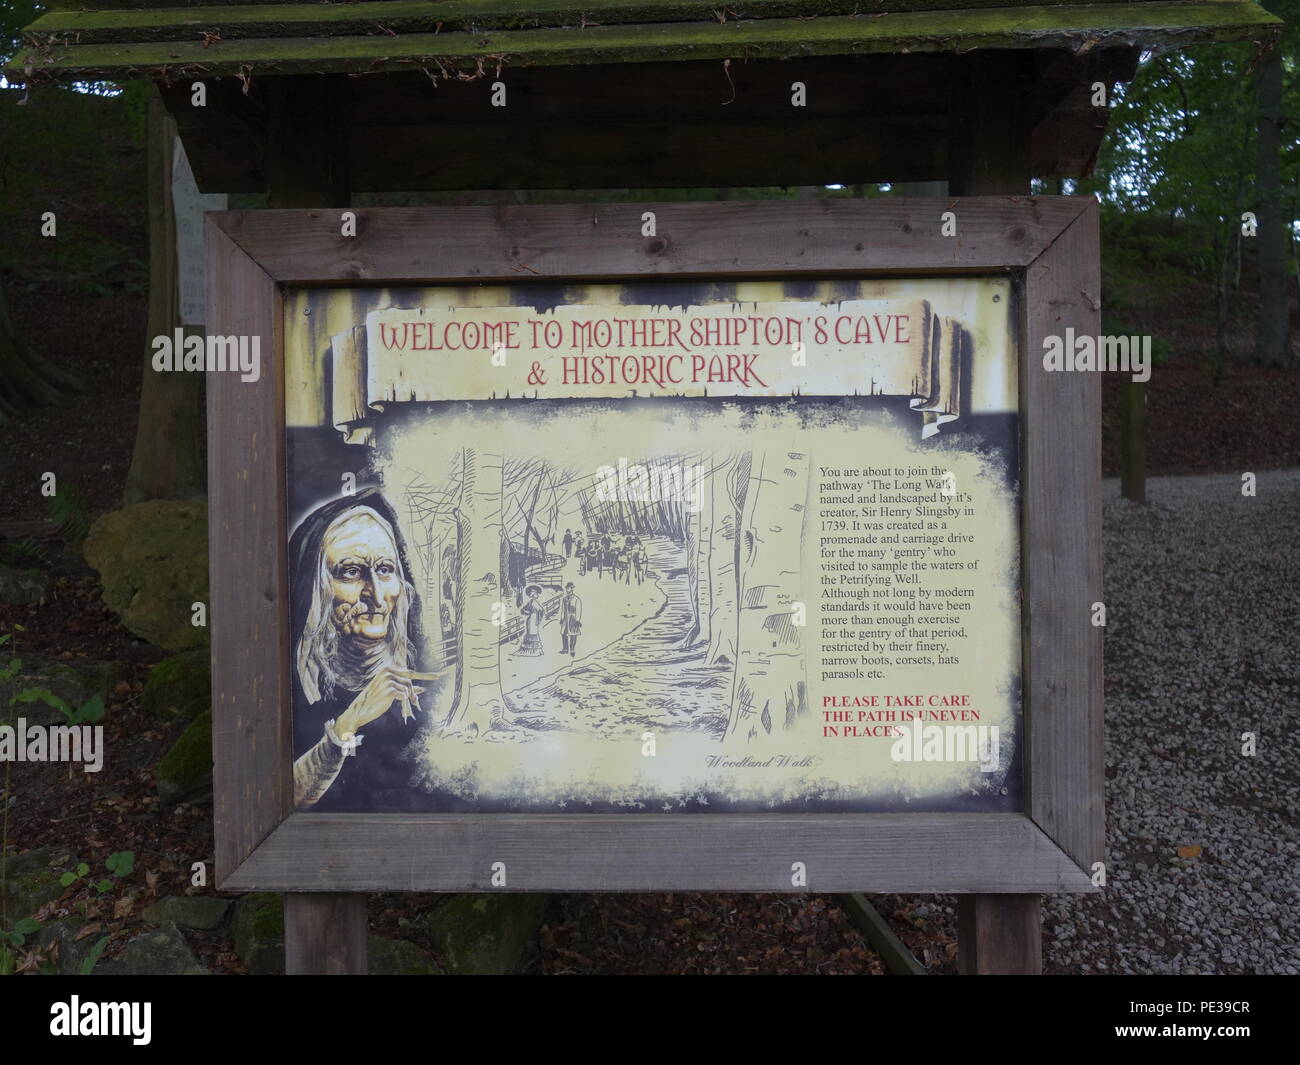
(995, 933)
(324, 933)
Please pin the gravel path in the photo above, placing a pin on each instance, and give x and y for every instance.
(1202, 645)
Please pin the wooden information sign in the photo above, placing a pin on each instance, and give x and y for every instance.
(737, 546)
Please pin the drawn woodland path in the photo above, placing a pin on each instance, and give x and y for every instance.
(644, 679)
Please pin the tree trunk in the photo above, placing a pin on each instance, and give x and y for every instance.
(1273, 344)
(26, 379)
(1219, 360)
(167, 460)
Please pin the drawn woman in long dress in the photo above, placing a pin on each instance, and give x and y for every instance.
(533, 612)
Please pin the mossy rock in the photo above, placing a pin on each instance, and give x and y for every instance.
(31, 879)
(24, 587)
(32, 861)
(153, 561)
(72, 951)
(485, 934)
(396, 957)
(185, 772)
(188, 911)
(74, 681)
(180, 686)
(258, 931)
(162, 952)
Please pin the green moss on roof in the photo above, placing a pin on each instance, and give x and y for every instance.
(526, 14)
(310, 38)
(127, 24)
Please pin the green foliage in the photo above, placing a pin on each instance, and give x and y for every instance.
(134, 105)
(24, 554)
(12, 938)
(68, 879)
(70, 518)
(71, 153)
(1115, 325)
(89, 711)
(1180, 136)
(1175, 175)
(68, 514)
(89, 962)
(1180, 139)
(99, 267)
(14, 15)
(119, 864)
(17, 935)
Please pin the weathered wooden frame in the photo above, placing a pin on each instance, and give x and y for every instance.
(1050, 245)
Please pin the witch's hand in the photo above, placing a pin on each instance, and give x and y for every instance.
(388, 686)
(408, 676)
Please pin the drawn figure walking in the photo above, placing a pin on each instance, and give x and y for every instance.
(570, 621)
(533, 612)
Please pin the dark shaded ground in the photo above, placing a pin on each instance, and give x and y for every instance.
(696, 935)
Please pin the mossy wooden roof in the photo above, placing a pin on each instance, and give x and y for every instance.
(125, 38)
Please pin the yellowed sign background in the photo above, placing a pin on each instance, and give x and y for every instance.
(817, 575)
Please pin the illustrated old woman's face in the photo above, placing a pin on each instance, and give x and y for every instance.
(361, 560)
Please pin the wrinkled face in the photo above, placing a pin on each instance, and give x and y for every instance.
(361, 560)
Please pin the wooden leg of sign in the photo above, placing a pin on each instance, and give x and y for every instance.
(999, 935)
(307, 166)
(1132, 454)
(324, 934)
(991, 123)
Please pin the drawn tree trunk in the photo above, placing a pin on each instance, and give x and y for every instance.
(503, 565)
(479, 704)
(699, 550)
(528, 525)
(167, 459)
(728, 504)
(694, 555)
(768, 687)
